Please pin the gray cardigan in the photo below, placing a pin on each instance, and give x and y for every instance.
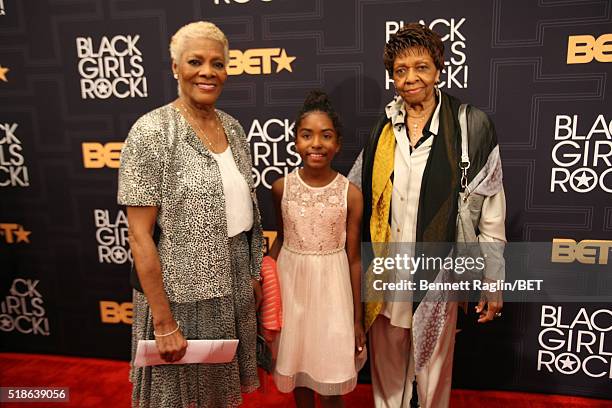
(164, 164)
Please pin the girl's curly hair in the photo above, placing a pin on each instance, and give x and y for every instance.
(318, 101)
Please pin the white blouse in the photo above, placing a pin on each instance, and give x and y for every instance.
(408, 172)
(238, 203)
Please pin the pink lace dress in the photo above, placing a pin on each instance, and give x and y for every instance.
(316, 346)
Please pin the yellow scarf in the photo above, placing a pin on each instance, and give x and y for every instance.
(380, 230)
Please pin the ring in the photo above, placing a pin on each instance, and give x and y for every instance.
(498, 314)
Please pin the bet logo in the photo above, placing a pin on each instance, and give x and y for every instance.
(582, 49)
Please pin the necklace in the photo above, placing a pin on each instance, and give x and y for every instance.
(211, 145)
(414, 129)
(417, 122)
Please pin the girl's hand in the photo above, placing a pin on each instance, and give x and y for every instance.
(359, 337)
(257, 292)
(173, 347)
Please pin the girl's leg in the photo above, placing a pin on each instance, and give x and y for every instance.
(331, 401)
(304, 397)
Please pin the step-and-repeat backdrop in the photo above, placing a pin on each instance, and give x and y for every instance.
(75, 75)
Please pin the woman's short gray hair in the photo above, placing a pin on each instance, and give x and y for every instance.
(197, 30)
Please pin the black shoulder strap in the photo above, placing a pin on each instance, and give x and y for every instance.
(464, 164)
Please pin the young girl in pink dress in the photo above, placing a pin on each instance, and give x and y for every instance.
(319, 266)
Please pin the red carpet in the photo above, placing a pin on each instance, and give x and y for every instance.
(104, 383)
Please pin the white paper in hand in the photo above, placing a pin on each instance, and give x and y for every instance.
(198, 351)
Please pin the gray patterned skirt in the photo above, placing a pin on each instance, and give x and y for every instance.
(228, 317)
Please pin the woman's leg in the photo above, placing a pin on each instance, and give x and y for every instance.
(331, 401)
(304, 397)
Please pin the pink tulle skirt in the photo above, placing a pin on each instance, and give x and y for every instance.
(317, 341)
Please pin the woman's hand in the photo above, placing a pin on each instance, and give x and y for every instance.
(171, 347)
(257, 292)
(490, 306)
(359, 337)
(146, 261)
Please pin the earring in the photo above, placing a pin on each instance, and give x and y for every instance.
(175, 76)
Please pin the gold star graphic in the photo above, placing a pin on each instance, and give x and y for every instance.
(22, 235)
(3, 72)
(283, 61)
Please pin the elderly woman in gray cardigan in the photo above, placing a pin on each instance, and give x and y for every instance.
(186, 167)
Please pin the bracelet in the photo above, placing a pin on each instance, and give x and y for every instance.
(178, 326)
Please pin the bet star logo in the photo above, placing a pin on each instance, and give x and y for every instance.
(259, 61)
(582, 182)
(5, 323)
(566, 365)
(119, 255)
(283, 61)
(14, 233)
(102, 88)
